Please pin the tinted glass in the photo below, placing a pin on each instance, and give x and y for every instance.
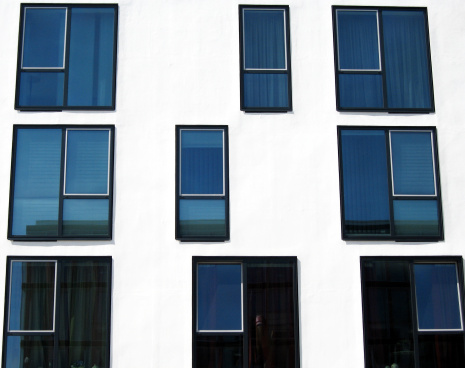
(219, 351)
(85, 217)
(219, 297)
(41, 89)
(416, 217)
(266, 90)
(202, 217)
(29, 351)
(359, 90)
(441, 350)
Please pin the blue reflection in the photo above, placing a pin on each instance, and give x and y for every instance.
(416, 217)
(266, 90)
(41, 89)
(85, 216)
(361, 91)
(202, 217)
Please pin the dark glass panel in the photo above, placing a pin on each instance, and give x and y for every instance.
(264, 39)
(87, 161)
(91, 57)
(83, 313)
(361, 91)
(29, 351)
(32, 296)
(270, 315)
(416, 217)
(357, 33)
(202, 217)
(202, 162)
(436, 290)
(44, 38)
(37, 182)
(441, 351)
(412, 163)
(366, 196)
(41, 89)
(85, 217)
(218, 351)
(219, 298)
(266, 90)
(406, 59)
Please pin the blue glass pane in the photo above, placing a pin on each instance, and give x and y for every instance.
(219, 298)
(416, 217)
(406, 59)
(266, 90)
(366, 195)
(91, 57)
(436, 289)
(357, 33)
(87, 162)
(264, 39)
(85, 217)
(360, 90)
(37, 349)
(44, 38)
(202, 217)
(412, 163)
(41, 89)
(37, 182)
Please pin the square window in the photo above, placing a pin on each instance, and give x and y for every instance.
(412, 311)
(389, 182)
(58, 312)
(382, 59)
(245, 312)
(202, 188)
(66, 57)
(61, 183)
(265, 58)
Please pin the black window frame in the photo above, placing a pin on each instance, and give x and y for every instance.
(62, 195)
(393, 236)
(382, 72)
(66, 59)
(178, 195)
(416, 332)
(243, 70)
(243, 261)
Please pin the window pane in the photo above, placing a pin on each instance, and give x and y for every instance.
(91, 57)
(361, 90)
(87, 162)
(436, 289)
(219, 351)
(202, 162)
(357, 33)
(416, 217)
(264, 39)
(44, 38)
(406, 59)
(366, 196)
(441, 351)
(29, 351)
(32, 296)
(219, 288)
(85, 217)
(412, 163)
(266, 90)
(41, 89)
(202, 217)
(37, 182)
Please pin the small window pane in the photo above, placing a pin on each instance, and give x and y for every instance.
(32, 296)
(436, 290)
(416, 217)
(266, 90)
(219, 288)
(361, 90)
(44, 38)
(41, 89)
(85, 217)
(441, 350)
(219, 351)
(87, 161)
(29, 351)
(202, 217)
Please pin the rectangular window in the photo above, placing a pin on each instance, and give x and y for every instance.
(389, 182)
(382, 59)
(265, 58)
(413, 312)
(246, 312)
(202, 188)
(57, 312)
(66, 57)
(61, 182)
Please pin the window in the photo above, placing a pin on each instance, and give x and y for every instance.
(245, 312)
(66, 57)
(265, 58)
(389, 181)
(202, 188)
(57, 312)
(382, 59)
(61, 183)
(413, 312)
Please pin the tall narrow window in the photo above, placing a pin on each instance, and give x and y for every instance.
(66, 57)
(382, 59)
(202, 189)
(61, 184)
(265, 58)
